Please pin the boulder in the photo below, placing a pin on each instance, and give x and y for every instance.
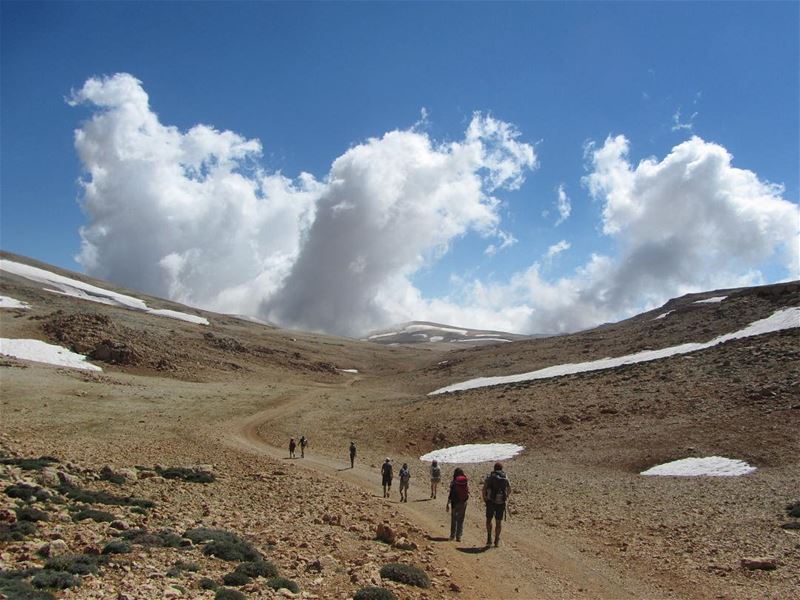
(54, 548)
(403, 543)
(48, 477)
(385, 533)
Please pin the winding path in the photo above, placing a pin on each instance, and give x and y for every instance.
(530, 564)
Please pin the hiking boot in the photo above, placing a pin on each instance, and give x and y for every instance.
(458, 539)
(496, 542)
(488, 540)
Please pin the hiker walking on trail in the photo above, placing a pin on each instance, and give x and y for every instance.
(405, 480)
(303, 444)
(292, 446)
(386, 477)
(457, 498)
(496, 490)
(436, 477)
(352, 454)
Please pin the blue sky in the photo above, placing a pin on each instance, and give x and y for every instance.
(312, 80)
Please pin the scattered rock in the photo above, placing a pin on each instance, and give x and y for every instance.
(759, 564)
(54, 548)
(385, 533)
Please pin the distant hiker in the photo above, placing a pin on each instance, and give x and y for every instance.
(458, 496)
(436, 477)
(292, 446)
(303, 444)
(405, 480)
(496, 490)
(386, 477)
(352, 454)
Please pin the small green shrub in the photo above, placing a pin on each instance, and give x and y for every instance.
(117, 547)
(408, 574)
(229, 594)
(185, 474)
(100, 516)
(30, 464)
(138, 510)
(259, 568)
(28, 513)
(26, 492)
(208, 584)
(162, 539)
(16, 532)
(793, 510)
(57, 580)
(180, 566)
(15, 589)
(277, 583)
(77, 564)
(112, 477)
(236, 578)
(374, 593)
(201, 535)
(239, 551)
(92, 497)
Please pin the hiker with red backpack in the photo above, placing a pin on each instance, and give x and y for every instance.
(458, 496)
(496, 490)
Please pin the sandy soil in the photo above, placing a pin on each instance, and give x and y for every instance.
(583, 523)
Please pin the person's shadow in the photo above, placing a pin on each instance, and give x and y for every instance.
(473, 549)
(433, 538)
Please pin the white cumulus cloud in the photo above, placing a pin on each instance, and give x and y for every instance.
(563, 204)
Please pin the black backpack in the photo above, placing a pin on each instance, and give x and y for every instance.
(498, 488)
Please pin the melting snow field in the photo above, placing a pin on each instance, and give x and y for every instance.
(711, 466)
(7, 302)
(662, 315)
(787, 318)
(38, 351)
(714, 300)
(349, 370)
(473, 453)
(86, 291)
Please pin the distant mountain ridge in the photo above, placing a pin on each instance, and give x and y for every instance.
(422, 332)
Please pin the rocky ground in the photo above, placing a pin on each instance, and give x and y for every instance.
(225, 398)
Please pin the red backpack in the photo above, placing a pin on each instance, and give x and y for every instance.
(460, 489)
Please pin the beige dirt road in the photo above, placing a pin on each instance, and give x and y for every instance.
(530, 563)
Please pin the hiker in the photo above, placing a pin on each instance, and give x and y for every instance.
(458, 496)
(292, 446)
(405, 480)
(496, 490)
(352, 454)
(436, 477)
(303, 444)
(386, 477)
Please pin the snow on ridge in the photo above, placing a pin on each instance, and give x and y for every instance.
(485, 339)
(382, 335)
(710, 466)
(435, 328)
(39, 351)
(349, 370)
(714, 300)
(473, 453)
(87, 291)
(787, 318)
(436, 338)
(662, 315)
(9, 302)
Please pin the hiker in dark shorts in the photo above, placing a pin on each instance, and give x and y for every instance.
(405, 479)
(458, 496)
(496, 490)
(292, 446)
(386, 477)
(436, 477)
(303, 444)
(352, 454)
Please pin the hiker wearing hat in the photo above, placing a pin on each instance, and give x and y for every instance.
(405, 479)
(436, 477)
(386, 477)
(496, 490)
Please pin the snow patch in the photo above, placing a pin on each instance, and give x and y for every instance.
(38, 351)
(662, 315)
(473, 453)
(435, 328)
(711, 466)
(714, 300)
(787, 318)
(349, 370)
(436, 338)
(8, 302)
(92, 293)
(485, 339)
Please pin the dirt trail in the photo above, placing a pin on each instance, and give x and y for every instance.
(530, 564)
